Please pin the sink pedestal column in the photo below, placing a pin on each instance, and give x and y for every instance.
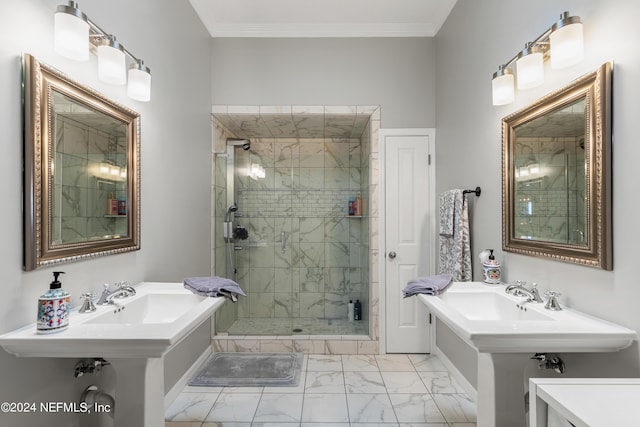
(501, 389)
(139, 392)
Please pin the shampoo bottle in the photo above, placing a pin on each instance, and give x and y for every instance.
(357, 211)
(53, 308)
(351, 311)
(357, 310)
(112, 205)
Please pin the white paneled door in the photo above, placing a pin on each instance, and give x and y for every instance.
(408, 235)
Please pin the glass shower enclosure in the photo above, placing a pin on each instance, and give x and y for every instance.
(285, 233)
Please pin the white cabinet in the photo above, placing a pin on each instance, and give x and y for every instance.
(584, 402)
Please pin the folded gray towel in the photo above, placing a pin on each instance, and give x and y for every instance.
(214, 286)
(429, 285)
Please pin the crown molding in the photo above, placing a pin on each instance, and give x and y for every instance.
(323, 30)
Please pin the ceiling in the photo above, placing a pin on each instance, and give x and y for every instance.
(323, 18)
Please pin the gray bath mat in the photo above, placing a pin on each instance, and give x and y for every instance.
(249, 370)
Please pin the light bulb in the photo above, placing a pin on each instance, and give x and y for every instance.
(502, 87)
(567, 42)
(111, 62)
(139, 86)
(71, 32)
(530, 67)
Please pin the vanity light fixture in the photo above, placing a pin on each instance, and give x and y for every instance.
(562, 42)
(74, 37)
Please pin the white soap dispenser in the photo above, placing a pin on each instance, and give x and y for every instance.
(53, 308)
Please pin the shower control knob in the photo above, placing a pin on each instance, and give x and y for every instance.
(392, 255)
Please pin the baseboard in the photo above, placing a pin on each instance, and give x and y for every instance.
(182, 382)
(468, 388)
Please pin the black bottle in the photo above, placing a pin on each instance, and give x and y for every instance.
(357, 310)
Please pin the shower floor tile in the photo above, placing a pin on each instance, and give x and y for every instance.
(300, 326)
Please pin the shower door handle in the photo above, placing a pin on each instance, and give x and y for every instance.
(392, 255)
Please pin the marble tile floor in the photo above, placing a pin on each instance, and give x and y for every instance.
(336, 391)
(297, 326)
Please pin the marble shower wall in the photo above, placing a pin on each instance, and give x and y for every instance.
(304, 194)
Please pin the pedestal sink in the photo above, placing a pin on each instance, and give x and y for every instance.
(506, 331)
(134, 334)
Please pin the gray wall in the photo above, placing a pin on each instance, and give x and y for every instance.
(477, 37)
(396, 73)
(176, 141)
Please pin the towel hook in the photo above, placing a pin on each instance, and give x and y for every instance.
(477, 191)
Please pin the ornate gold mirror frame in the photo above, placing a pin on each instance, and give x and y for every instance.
(546, 176)
(81, 171)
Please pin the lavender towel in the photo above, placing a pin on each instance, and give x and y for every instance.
(429, 285)
(214, 286)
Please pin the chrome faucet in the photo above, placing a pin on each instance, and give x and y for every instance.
(123, 290)
(518, 289)
(87, 303)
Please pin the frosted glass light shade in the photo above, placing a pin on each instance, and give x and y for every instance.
(567, 45)
(71, 33)
(139, 86)
(502, 87)
(111, 63)
(530, 68)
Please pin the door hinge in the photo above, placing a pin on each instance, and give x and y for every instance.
(429, 318)
(428, 159)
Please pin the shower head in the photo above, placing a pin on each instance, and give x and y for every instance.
(232, 208)
(242, 142)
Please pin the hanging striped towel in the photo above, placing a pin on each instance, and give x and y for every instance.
(455, 244)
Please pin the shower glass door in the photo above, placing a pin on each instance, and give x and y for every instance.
(303, 257)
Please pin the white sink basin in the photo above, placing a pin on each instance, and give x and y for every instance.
(494, 322)
(150, 308)
(490, 306)
(142, 326)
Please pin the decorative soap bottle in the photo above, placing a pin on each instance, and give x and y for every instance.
(491, 270)
(53, 308)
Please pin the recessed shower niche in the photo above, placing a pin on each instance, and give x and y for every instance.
(284, 178)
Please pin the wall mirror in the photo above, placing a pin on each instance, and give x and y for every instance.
(556, 174)
(81, 164)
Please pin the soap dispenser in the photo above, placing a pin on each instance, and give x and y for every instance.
(491, 270)
(53, 308)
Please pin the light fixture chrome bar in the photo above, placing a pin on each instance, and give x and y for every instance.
(541, 41)
(98, 32)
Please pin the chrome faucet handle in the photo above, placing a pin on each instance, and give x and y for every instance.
(103, 296)
(552, 302)
(87, 302)
(535, 294)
